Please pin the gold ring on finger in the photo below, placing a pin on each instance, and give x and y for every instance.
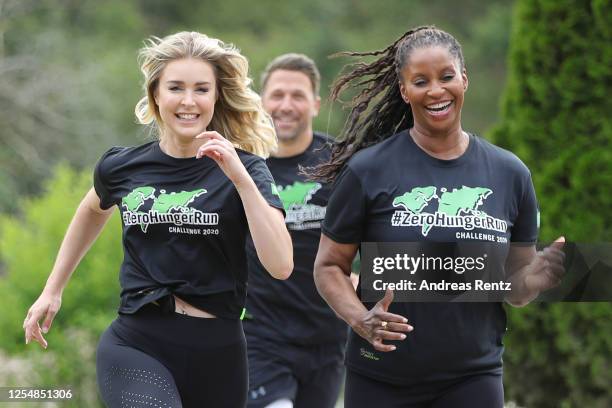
(384, 324)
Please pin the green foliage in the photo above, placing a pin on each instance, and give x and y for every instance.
(556, 118)
(70, 79)
(28, 245)
(556, 112)
(558, 355)
(70, 82)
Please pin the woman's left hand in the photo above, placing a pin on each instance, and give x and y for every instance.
(546, 269)
(223, 152)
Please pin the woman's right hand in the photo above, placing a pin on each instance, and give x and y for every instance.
(377, 325)
(46, 307)
(84, 228)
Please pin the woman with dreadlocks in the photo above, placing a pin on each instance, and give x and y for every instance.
(404, 135)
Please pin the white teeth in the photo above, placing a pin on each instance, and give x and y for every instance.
(188, 116)
(441, 105)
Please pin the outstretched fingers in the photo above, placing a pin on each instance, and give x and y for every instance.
(388, 333)
(396, 328)
(387, 326)
(51, 312)
(394, 322)
(33, 330)
(380, 346)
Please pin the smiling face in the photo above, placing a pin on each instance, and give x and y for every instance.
(290, 100)
(433, 83)
(186, 96)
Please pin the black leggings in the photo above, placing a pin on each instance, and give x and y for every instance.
(154, 359)
(478, 391)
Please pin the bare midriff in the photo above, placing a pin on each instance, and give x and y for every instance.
(182, 307)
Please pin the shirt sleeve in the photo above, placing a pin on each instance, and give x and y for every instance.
(101, 179)
(265, 184)
(526, 225)
(346, 209)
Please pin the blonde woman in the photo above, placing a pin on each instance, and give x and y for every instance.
(187, 202)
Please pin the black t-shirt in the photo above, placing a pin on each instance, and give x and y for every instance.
(292, 310)
(449, 340)
(184, 226)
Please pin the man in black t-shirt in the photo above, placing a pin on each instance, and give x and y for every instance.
(295, 341)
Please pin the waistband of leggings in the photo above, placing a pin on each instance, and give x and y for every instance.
(156, 324)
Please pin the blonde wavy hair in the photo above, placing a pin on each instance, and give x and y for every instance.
(239, 115)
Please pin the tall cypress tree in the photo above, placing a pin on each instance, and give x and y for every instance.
(557, 110)
(556, 116)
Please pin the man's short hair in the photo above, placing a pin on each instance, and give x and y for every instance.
(294, 62)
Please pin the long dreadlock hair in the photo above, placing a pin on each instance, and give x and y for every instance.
(378, 110)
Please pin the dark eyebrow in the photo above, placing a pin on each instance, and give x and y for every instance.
(291, 91)
(181, 82)
(420, 74)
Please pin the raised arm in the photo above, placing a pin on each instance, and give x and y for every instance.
(268, 230)
(266, 223)
(83, 230)
(332, 277)
(531, 272)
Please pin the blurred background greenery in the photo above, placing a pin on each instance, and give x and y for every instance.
(539, 85)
